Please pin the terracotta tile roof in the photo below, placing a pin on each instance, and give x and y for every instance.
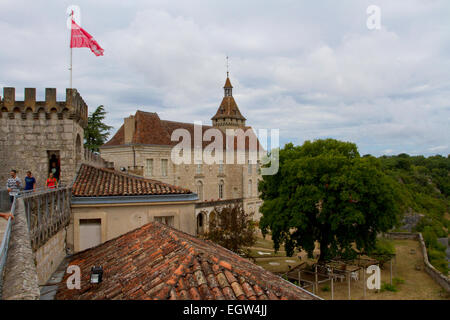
(159, 262)
(228, 109)
(98, 182)
(151, 130)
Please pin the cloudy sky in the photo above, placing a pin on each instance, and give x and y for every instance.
(312, 69)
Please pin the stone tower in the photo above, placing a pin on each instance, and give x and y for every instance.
(36, 134)
(228, 115)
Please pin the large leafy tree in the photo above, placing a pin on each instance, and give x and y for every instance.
(96, 131)
(325, 192)
(232, 227)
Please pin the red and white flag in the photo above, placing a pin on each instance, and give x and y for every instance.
(80, 38)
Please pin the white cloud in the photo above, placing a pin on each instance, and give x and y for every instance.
(312, 70)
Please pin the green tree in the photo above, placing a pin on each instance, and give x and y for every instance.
(232, 228)
(325, 192)
(96, 131)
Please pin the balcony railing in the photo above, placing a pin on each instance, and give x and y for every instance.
(47, 211)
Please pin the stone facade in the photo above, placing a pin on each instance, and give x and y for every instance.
(32, 131)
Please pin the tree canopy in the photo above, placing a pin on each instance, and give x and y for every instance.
(325, 192)
(96, 131)
(232, 227)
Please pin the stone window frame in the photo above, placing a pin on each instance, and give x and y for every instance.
(164, 168)
(199, 185)
(221, 188)
(221, 167)
(199, 168)
(149, 173)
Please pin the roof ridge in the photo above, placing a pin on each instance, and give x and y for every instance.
(189, 123)
(134, 178)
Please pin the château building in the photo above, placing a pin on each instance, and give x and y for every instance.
(143, 146)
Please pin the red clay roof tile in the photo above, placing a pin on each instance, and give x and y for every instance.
(175, 277)
(98, 182)
(151, 130)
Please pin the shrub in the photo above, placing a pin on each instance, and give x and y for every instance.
(388, 287)
(325, 288)
(439, 260)
(384, 248)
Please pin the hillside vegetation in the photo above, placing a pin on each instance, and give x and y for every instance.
(423, 188)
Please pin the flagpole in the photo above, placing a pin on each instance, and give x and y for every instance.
(70, 68)
(70, 44)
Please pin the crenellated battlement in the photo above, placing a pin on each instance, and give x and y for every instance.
(73, 108)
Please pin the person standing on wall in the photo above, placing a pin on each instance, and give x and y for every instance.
(51, 182)
(55, 170)
(30, 182)
(13, 185)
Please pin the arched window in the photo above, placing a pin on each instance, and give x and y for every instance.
(250, 187)
(78, 153)
(200, 190)
(221, 184)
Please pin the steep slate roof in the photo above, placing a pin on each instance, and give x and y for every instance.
(228, 108)
(98, 182)
(151, 130)
(159, 262)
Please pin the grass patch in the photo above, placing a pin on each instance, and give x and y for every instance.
(397, 281)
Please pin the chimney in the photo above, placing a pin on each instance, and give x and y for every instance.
(9, 97)
(50, 97)
(30, 98)
(129, 128)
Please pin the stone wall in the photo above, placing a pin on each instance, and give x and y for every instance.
(437, 276)
(20, 280)
(30, 129)
(49, 256)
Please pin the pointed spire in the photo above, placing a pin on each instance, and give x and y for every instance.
(228, 84)
(228, 114)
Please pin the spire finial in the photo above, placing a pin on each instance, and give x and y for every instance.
(227, 67)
